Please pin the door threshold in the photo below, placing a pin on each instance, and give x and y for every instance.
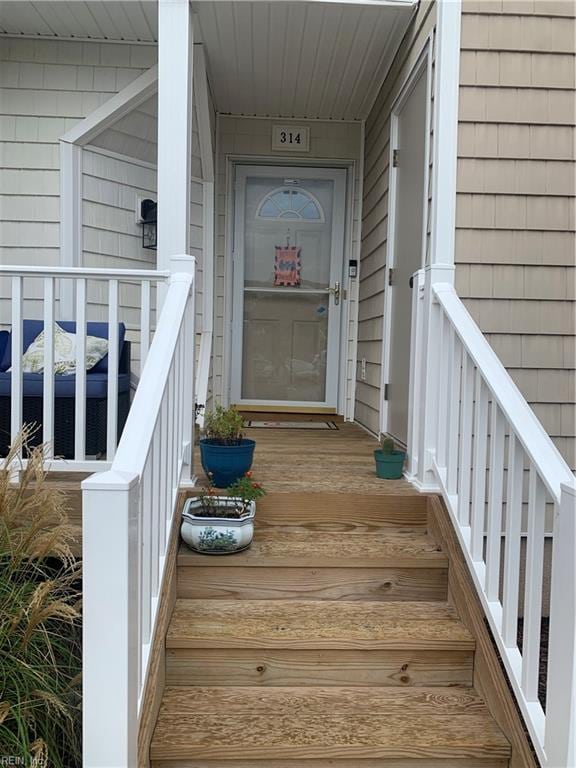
(286, 409)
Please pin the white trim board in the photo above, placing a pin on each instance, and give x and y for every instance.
(121, 104)
(422, 65)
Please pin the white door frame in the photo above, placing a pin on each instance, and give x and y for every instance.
(423, 65)
(335, 328)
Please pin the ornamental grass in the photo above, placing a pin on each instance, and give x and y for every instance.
(40, 615)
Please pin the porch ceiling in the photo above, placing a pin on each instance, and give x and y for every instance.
(300, 59)
(133, 20)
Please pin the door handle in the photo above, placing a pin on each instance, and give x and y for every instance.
(335, 291)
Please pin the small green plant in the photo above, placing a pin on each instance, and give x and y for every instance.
(386, 445)
(40, 631)
(224, 425)
(244, 489)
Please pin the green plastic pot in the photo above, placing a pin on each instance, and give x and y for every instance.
(389, 466)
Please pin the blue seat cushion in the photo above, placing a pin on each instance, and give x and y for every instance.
(64, 386)
(32, 328)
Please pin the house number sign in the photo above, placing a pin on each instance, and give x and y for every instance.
(290, 138)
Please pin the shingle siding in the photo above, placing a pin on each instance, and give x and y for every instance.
(515, 244)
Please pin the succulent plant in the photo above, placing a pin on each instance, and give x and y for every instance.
(386, 445)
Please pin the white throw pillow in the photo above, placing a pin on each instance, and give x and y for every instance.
(64, 352)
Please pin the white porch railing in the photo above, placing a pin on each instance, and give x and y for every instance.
(473, 434)
(64, 294)
(128, 516)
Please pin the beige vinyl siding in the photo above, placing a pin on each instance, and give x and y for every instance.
(515, 242)
(245, 136)
(375, 220)
(47, 87)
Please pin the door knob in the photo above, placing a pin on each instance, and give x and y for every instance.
(335, 291)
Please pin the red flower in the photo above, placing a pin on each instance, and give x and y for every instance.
(249, 474)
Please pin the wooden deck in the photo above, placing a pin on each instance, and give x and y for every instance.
(317, 460)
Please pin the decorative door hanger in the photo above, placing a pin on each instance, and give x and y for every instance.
(287, 266)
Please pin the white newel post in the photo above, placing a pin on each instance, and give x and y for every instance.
(110, 620)
(427, 407)
(560, 738)
(175, 63)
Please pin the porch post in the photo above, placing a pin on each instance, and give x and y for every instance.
(443, 227)
(175, 62)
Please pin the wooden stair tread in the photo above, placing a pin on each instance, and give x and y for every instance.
(336, 722)
(297, 546)
(315, 624)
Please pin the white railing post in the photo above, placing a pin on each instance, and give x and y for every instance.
(416, 351)
(560, 738)
(110, 503)
(187, 264)
(436, 275)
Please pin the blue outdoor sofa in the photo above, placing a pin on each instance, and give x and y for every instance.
(64, 393)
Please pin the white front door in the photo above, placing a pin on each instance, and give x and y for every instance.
(288, 255)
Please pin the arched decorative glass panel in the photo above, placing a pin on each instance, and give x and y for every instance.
(288, 203)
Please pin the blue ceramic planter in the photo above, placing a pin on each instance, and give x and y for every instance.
(226, 463)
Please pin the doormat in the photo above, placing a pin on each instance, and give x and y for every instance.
(292, 425)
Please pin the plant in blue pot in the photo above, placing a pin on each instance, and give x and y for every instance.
(225, 453)
(389, 462)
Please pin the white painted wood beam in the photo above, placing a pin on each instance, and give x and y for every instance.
(202, 103)
(175, 73)
(126, 100)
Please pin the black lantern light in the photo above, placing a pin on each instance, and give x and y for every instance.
(148, 215)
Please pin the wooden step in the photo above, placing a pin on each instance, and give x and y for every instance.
(378, 763)
(256, 666)
(313, 583)
(341, 511)
(312, 624)
(296, 546)
(398, 564)
(295, 724)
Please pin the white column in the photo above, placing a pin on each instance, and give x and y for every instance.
(445, 155)
(175, 49)
(70, 221)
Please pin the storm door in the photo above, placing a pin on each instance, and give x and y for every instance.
(288, 252)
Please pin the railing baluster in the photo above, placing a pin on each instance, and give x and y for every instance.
(479, 470)
(113, 360)
(164, 476)
(80, 394)
(145, 312)
(156, 508)
(533, 587)
(445, 355)
(465, 448)
(454, 415)
(147, 554)
(48, 377)
(16, 405)
(494, 529)
(511, 585)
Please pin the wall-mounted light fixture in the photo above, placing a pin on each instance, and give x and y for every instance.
(148, 216)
